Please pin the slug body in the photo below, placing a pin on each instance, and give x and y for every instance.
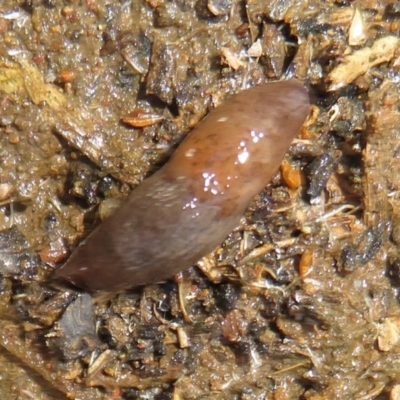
(189, 206)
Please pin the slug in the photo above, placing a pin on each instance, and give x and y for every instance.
(188, 207)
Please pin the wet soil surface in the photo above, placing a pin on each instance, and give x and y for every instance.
(301, 301)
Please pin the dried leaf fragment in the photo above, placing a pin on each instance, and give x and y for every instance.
(389, 333)
(395, 393)
(40, 91)
(231, 59)
(26, 78)
(358, 62)
(255, 50)
(357, 34)
(75, 332)
(11, 80)
(5, 190)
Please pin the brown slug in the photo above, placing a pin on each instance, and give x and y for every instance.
(189, 206)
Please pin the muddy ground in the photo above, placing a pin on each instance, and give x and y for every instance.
(301, 301)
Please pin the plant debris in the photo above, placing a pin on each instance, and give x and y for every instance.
(302, 298)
